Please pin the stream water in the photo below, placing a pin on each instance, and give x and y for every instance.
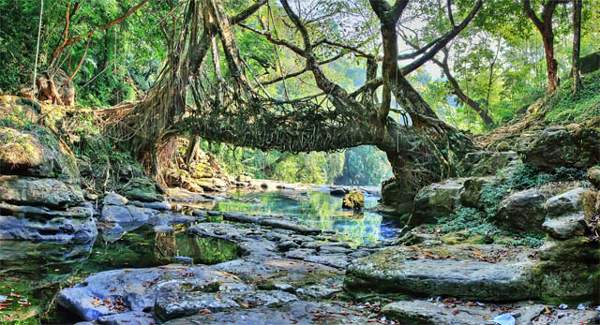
(32, 273)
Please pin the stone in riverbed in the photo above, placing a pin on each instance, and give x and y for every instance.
(397, 269)
(130, 318)
(298, 312)
(126, 290)
(420, 312)
(355, 200)
(175, 301)
(58, 229)
(39, 191)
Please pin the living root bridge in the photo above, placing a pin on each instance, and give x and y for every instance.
(295, 126)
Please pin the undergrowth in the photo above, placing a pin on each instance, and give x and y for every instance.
(479, 222)
(564, 107)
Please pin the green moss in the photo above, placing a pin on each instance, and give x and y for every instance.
(563, 107)
(214, 218)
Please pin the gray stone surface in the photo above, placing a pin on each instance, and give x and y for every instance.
(58, 229)
(395, 270)
(566, 226)
(522, 211)
(125, 290)
(437, 200)
(49, 192)
(567, 202)
(299, 312)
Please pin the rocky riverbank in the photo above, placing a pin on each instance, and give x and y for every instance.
(515, 237)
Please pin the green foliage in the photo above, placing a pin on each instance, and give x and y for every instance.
(117, 63)
(564, 107)
(479, 222)
(364, 165)
(472, 224)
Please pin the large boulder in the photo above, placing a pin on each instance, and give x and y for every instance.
(567, 202)
(58, 229)
(437, 200)
(39, 191)
(297, 312)
(484, 163)
(567, 269)
(564, 214)
(126, 290)
(564, 146)
(30, 149)
(522, 211)
(565, 227)
(35, 152)
(593, 175)
(448, 271)
(398, 195)
(473, 188)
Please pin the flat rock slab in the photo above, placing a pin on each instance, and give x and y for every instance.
(39, 191)
(299, 312)
(59, 229)
(274, 222)
(424, 312)
(124, 290)
(394, 270)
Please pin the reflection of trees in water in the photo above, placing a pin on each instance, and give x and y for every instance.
(314, 209)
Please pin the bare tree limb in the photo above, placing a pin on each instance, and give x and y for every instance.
(442, 42)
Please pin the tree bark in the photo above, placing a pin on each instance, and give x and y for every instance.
(544, 27)
(575, 72)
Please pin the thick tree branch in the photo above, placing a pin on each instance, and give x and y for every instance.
(246, 13)
(442, 42)
(78, 38)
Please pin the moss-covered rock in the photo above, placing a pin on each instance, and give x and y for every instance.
(522, 211)
(39, 191)
(593, 175)
(473, 272)
(473, 189)
(398, 195)
(142, 189)
(36, 152)
(437, 200)
(485, 163)
(567, 270)
(564, 146)
(354, 200)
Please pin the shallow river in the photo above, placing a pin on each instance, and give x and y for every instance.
(32, 273)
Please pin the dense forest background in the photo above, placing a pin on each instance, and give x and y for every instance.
(497, 64)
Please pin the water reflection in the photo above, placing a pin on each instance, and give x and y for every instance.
(316, 209)
(31, 273)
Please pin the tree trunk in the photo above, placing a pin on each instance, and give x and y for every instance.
(575, 73)
(551, 63)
